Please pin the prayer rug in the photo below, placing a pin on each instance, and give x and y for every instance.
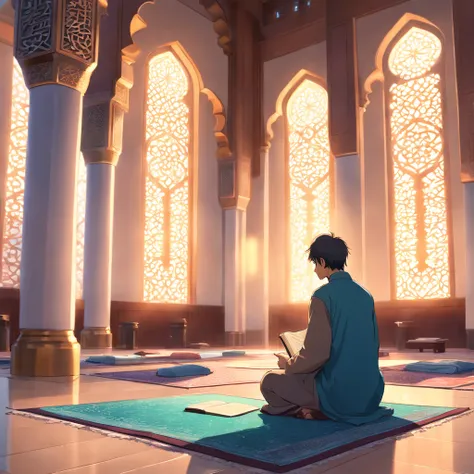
(277, 444)
(219, 376)
(396, 375)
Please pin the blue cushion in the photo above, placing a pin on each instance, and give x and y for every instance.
(441, 367)
(233, 353)
(113, 360)
(188, 370)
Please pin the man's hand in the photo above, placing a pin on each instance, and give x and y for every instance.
(282, 360)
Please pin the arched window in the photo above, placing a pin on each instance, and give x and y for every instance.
(309, 179)
(15, 188)
(414, 76)
(168, 194)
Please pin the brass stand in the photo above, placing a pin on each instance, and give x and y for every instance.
(96, 338)
(43, 353)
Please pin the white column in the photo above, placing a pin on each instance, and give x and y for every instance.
(47, 281)
(234, 275)
(257, 266)
(348, 210)
(469, 212)
(98, 255)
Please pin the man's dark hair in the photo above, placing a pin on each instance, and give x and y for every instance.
(333, 250)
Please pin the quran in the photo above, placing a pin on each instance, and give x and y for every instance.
(293, 341)
(219, 408)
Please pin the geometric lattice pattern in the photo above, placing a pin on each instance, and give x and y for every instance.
(15, 182)
(421, 246)
(167, 216)
(15, 188)
(309, 181)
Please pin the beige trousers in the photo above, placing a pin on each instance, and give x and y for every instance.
(287, 393)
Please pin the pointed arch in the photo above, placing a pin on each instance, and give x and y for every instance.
(303, 105)
(411, 61)
(405, 22)
(173, 84)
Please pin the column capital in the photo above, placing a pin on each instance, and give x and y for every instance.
(102, 130)
(56, 41)
(234, 183)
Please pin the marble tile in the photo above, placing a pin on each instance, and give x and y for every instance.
(34, 446)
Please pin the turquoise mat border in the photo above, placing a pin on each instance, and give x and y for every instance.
(277, 444)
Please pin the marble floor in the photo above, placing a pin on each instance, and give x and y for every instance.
(32, 446)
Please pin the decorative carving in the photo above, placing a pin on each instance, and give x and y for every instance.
(95, 124)
(34, 28)
(226, 179)
(78, 29)
(38, 74)
(102, 129)
(221, 25)
(168, 200)
(309, 179)
(73, 76)
(223, 149)
(66, 56)
(421, 240)
(122, 94)
(117, 128)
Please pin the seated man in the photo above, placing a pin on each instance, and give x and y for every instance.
(336, 373)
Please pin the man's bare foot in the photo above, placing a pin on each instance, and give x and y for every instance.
(310, 414)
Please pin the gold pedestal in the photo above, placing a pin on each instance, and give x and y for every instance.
(96, 338)
(43, 353)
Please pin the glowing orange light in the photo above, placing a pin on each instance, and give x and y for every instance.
(167, 182)
(421, 232)
(81, 222)
(309, 155)
(15, 182)
(15, 188)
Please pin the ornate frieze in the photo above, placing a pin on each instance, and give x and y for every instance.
(34, 28)
(102, 130)
(77, 36)
(56, 41)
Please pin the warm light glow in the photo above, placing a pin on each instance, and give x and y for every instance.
(81, 222)
(415, 54)
(421, 230)
(15, 181)
(167, 215)
(15, 187)
(309, 183)
(251, 254)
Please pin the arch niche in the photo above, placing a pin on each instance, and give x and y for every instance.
(411, 63)
(303, 106)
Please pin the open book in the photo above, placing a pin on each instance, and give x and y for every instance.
(220, 408)
(293, 341)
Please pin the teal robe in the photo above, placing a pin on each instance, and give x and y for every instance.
(350, 385)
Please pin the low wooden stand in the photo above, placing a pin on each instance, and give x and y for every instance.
(436, 345)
